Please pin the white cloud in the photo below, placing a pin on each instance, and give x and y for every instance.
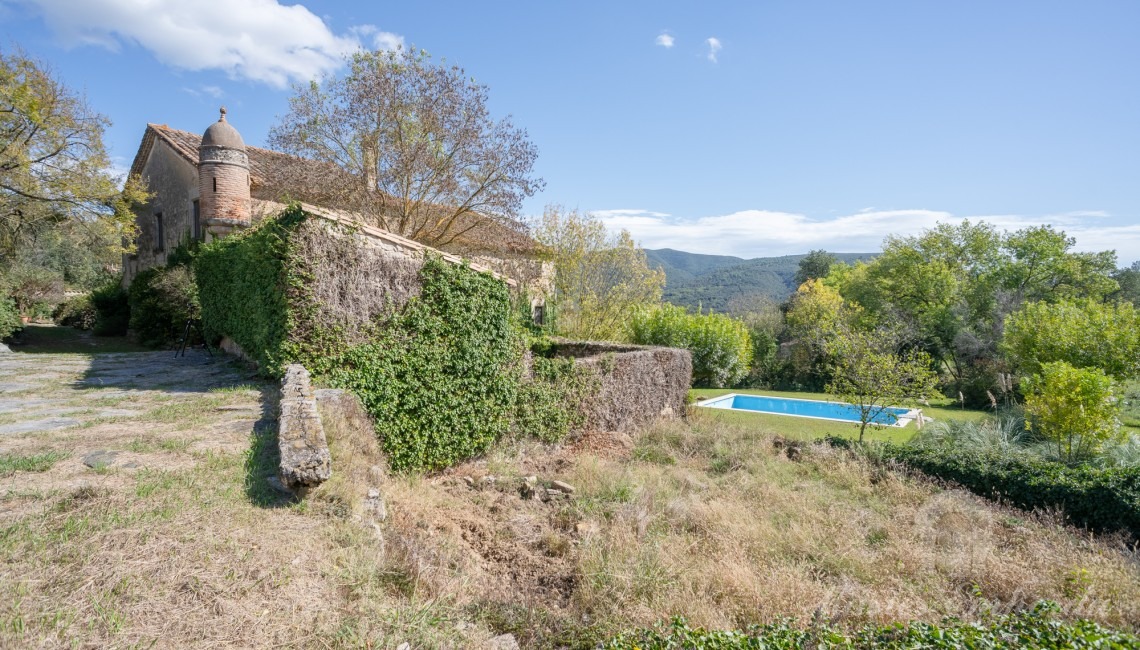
(763, 233)
(626, 212)
(714, 48)
(387, 41)
(665, 40)
(259, 40)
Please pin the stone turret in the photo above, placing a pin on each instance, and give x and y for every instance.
(223, 179)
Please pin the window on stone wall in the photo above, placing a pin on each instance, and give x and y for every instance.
(159, 233)
(539, 314)
(195, 220)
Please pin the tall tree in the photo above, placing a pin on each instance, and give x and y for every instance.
(815, 265)
(423, 156)
(54, 171)
(599, 279)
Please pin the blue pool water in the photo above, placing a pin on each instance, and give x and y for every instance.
(803, 408)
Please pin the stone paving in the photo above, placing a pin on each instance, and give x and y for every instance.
(112, 414)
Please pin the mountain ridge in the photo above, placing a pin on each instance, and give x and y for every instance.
(716, 282)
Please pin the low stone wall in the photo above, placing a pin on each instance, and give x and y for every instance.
(638, 384)
(305, 458)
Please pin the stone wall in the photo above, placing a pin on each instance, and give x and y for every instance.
(638, 384)
(173, 184)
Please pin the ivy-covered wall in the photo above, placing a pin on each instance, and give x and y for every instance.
(433, 348)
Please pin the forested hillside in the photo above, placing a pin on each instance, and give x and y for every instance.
(718, 281)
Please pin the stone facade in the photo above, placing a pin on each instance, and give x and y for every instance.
(168, 218)
(211, 185)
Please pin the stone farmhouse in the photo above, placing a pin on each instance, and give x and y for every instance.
(208, 186)
(211, 186)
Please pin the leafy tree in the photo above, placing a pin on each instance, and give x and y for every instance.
(1074, 408)
(424, 157)
(720, 345)
(869, 374)
(815, 313)
(1128, 280)
(54, 171)
(1085, 334)
(816, 265)
(1041, 266)
(599, 279)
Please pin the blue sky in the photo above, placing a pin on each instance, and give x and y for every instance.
(799, 125)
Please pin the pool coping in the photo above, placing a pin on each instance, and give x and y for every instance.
(910, 416)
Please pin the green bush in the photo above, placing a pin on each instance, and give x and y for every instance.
(720, 345)
(1074, 408)
(34, 289)
(78, 312)
(1099, 498)
(112, 310)
(9, 317)
(1035, 629)
(161, 301)
(441, 378)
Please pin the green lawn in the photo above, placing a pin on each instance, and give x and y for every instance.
(810, 429)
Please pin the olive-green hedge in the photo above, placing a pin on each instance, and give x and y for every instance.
(1105, 499)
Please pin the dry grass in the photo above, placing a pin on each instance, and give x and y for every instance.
(714, 522)
(706, 519)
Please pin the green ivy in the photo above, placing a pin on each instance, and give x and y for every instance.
(242, 282)
(547, 406)
(441, 377)
(1035, 629)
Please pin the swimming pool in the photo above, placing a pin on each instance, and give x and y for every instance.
(808, 408)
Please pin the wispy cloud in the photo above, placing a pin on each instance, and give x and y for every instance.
(258, 40)
(757, 233)
(665, 40)
(626, 212)
(714, 48)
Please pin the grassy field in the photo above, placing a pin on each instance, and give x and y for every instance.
(182, 541)
(811, 429)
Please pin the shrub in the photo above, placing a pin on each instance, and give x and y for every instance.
(34, 289)
(1102, 499)
(1033, 629)
(720, 345)
(161, 301)
(112, 310)
(1003, 433)
(78, 312)
(9, 317)
(1074, 408)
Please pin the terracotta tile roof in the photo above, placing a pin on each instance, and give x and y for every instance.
(278, 176)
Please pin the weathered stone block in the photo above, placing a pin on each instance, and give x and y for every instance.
(305, 458)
